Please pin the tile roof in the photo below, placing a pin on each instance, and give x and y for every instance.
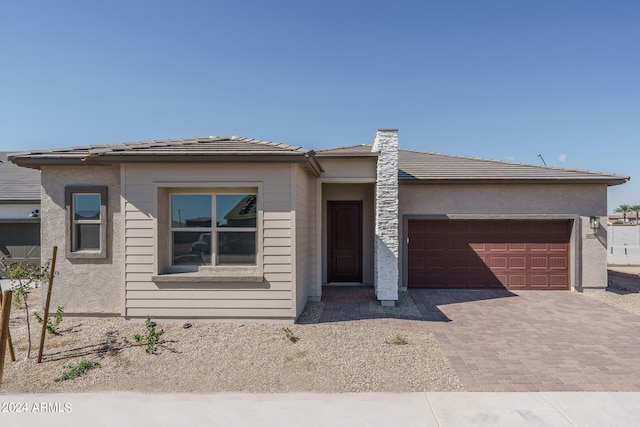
(198, 146)
(18, 185)
(419, 166)
(414, 166)
(348, 151)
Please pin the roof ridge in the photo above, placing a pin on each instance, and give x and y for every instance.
(504, 162)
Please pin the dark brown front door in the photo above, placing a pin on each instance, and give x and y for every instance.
(344, 242)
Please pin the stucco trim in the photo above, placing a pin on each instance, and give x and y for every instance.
(104, 221)
(205, 278)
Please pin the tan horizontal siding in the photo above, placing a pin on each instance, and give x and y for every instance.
(277, 268)
(139, 259)
(138, 277)
(276, 215)
(245, 313)
(146, 223)
(139, 268)
(273, 196)
(277, 241)
(209, 303)
(143, 174)
(139, 241)
(272, 298)
(137, 215)
(276, 205)
(277, 259)
(139, 232)
(277, 250)
(139, 250)
(148, 285)
(278, 277)
(277, 224)
(223, 294)
(277, 232)
(146, 206)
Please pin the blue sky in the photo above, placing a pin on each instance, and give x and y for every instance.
(505, 80)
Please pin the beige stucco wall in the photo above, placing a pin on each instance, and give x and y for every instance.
(82, 285)
(365, 193)
(351, 167)
(303, 237)
(571, 201)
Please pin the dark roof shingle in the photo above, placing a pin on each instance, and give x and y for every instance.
(18, 185)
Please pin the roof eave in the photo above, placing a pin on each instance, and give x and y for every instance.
(609, 181)
(108, 159)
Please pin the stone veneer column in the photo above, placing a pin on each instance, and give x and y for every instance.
(386, 240)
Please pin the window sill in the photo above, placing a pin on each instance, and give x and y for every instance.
(205, 277)
(86, 255)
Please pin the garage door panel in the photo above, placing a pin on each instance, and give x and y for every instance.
(517, 281)
(477, 247)
(558, 281)
(435, 245)
(437, 226)
(539, 281)
(498, 262)
(458, 245)
(557, 247)
(435, 262)
(539, 247)
(457, 227)
(518, 263)
(556, 263)
(539, 263)
(517, 247)
(515, 254)
(475, 262)
(479, 227)
(458, 262)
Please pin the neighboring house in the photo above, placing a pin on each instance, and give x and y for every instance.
(19, 212)
(623, 243)
(233, 228)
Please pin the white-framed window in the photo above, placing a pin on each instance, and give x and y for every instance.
(87, 221)
(214, 228)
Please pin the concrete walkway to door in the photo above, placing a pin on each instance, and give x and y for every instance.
(498, 340)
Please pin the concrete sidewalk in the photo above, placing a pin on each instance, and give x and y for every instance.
(352, 410)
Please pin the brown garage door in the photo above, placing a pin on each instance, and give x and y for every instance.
(512, 254)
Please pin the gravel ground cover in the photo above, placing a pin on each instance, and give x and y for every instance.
(623, 291)
(210, 357)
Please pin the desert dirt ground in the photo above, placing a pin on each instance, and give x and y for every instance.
(247, 357)
(215, 357)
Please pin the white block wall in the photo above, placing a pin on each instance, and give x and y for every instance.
(386, 238)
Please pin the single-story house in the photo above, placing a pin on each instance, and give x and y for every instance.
(19, 212)
(231, 228)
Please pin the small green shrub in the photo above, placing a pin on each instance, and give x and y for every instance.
(289, 335)
(151, 338)
(398, 340)
(74, 371)
(52, 325)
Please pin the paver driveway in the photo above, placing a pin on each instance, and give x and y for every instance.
(505, 341)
